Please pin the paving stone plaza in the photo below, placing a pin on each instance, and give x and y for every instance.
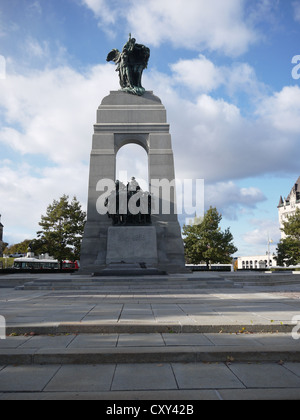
(210, 337)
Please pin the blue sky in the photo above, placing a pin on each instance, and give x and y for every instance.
(223, 69)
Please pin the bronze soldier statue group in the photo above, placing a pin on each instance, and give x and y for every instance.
(129, 205)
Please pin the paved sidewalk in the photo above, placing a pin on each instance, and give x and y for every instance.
(186, 310)
(161, 381)
(148, 348)
(139, 341)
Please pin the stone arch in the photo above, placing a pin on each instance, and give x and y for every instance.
(133, 160)
(124, 119)
(122, 140)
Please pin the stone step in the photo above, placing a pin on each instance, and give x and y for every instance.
(132, 283)
(193, 397)
(265, 284)
(57, 328)
(94, 288)
(264, 280)
(181, 354)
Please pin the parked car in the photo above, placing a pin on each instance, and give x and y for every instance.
(17, 255)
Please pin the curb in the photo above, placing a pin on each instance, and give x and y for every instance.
(178, 354)
(92, 328)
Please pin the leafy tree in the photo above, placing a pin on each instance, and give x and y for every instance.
(291, 227)
(205, 242)
(288, 249)
(288, 252)
(62, 230)
(20, 248)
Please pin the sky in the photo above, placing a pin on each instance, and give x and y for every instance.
(227, 72)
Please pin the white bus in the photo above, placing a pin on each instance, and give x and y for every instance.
(35, 264)
(31, 263)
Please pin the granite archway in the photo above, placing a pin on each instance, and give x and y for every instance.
(129, 119)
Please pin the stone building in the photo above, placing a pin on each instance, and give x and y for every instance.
(287, 207)
(257, 262)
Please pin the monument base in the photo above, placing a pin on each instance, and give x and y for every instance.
(129, 270)
(132, 244)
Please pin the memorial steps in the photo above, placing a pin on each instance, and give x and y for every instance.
(134, 338)
(179, 318)
(139, 282)
(124, 284)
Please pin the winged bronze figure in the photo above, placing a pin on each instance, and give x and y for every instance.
(131, 63)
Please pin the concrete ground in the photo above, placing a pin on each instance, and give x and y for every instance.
(137, 341)
(160, 381)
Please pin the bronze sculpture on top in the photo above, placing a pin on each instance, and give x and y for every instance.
(131, 63)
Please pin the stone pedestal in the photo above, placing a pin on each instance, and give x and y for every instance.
(131, 244)
(123, 119)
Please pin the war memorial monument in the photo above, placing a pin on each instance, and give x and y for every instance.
(128, 228)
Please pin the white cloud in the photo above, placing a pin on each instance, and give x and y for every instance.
(213, 141)
(38, 49)
(198, 24)
(132, 160)
(107, 13)
(216, 25)
(48, 114)
(282, 110)
(263, 11)
(200, 74)
(34, 8)
(264, 229)
(44, 113)
(241, 77)
(296, 6)
(24, 197)
(231, 199)
(102, 10)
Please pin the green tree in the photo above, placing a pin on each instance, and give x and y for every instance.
(288, 252)
(62, 230)
(288, 249)
(20, 248)
(205, 242)
(291, 227)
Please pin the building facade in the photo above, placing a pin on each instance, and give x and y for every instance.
(258, 262)
(287, 207)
